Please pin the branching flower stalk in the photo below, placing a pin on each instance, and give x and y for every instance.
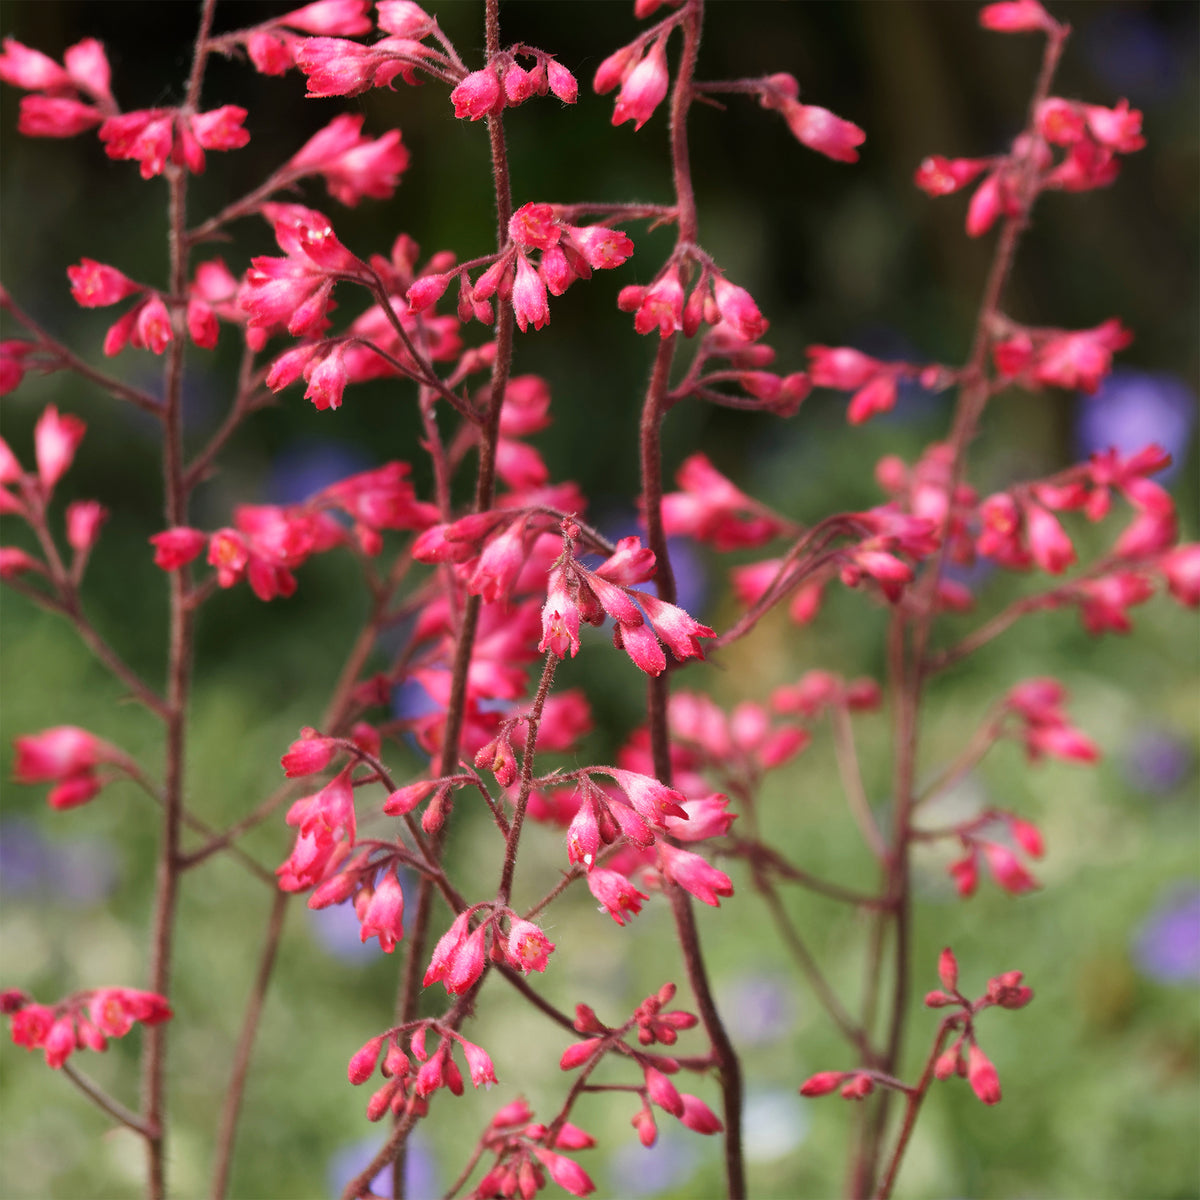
(481, 604)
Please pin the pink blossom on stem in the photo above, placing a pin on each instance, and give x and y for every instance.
(822, 1083)
(698, 1117)
(383, 914)
(345, 18)
(1007, 869)
(662, 1091)
(529, 296)
(823, 131)
(644, 88)
(96, 285)
(982, 1077)
(694, 874)
(363, 1061)
(84, 518)
(353, 166)
(1048, 543)
(940, 176)
(1181, 569)
(479, 1064)
(1017, 16)
(175, 548)
(737, 307)
(617, 896)
(528, 947)
(55, 116)
(55, 440)
(479, 94)
(567, 1173)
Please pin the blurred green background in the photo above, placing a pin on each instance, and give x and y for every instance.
(1100, 1073)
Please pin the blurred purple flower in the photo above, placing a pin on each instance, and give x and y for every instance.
(761, 1008)
(305, 467)
(79, 871)
(84, 869)
(1133, 52)
(1167, 946)
(1133, 409)
(420, 1175)
(638, 1170)
(1156, 761)
(25, 858)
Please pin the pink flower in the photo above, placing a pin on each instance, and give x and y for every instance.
(57, 753)
(820, 130)
(347, 18)
(403, 18)
(619, 898)
(528, 947)
(663, 1092)
(382, 915)
(878, 396)
(96, 285)
(1016, 16)
(1007, 869)
(660, 306)
(694, 874)
(479, 1063)
(1181, 569)
(560, 618)
(353, 166)
(738, 309)
(55, 440)
(644, 88)
(479, 94)
(698, 1117)
(27, 68)
(529, 296)
(84, 518)
(940, 176)
(567, 1173)
(363, 1061)
(822, 1083)
(562, 83)
(175, 548)
(840, 367)
(14, 562)
(1080, 359)
(982, 1077)
(1049, 545)
(680, 632)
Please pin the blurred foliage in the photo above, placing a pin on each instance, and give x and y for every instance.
(1100, 1073)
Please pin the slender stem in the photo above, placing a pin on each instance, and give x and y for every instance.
(512, 841)
(154, 1057)
(853, 1033)
(916, 1096)
(485, 485)
(103, 1100)
(658, 691)
(70, 360)
(908, 656)
(852, 784)
(231, 1109)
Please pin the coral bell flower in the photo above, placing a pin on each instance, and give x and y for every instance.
(982, 1077)
(644, 88)
(353, 166)
(618, 897)
(528, 947)
(823, 131)
(383, 915)
(694, 874)
(55, 440)
(479, 94)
